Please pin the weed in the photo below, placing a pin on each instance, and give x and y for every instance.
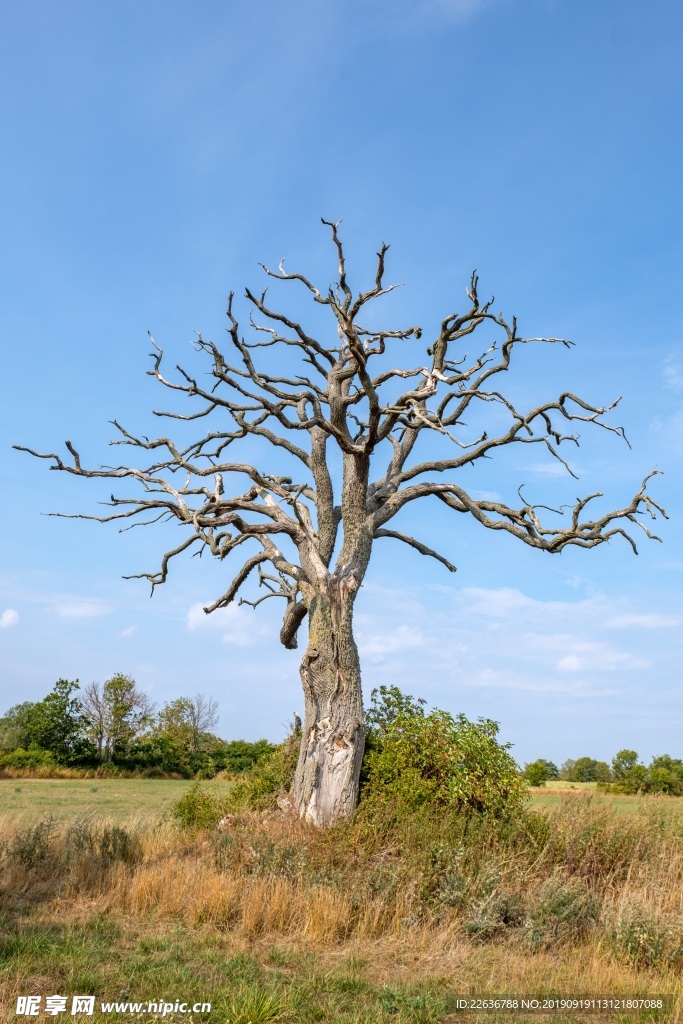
(256, 1007)
(32, 845)
(563, 910)
(642, 941)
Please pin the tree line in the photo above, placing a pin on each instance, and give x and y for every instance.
(626, 774)
(116, 727)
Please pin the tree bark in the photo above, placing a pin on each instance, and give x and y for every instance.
(326, 783)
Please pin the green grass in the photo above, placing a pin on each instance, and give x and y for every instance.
(545, 797)
(579, 787)
(59, 934)
(269, 983)
(122, 801)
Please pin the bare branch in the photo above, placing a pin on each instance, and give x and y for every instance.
(422, 548)
(372, 419)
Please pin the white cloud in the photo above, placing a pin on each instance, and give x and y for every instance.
(238, 626)
(128, 631)
(9, 618)
(496, 602)
(673, 374)
(672, 428)
(570, 663)
(80, 609)
(379, 645)
(644, 621)
(486, 495)
(503, 639)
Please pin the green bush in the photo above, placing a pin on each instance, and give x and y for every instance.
(243, 756)
(272, 774)
(436, 760)
(34, 757)
(198, 809)
(32, 846)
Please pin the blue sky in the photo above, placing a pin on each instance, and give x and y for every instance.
(154, 153)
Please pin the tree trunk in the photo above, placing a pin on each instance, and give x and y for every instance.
(325, 786)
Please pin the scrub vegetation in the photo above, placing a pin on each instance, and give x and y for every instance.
(445, 884)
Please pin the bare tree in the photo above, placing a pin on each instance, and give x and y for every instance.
(308, 537)
(190, 718)
(116, 713)
(203, 714)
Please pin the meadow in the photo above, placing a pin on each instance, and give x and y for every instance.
(272, 920)
(123, 801)
(144, 801)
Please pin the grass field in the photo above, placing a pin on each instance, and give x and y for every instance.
(144, 801)
(124, 801)
(274, 921)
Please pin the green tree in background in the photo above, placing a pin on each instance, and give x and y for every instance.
(57, 724)
(15, 730)
(623, 764)
(538, 772)
(115, 713)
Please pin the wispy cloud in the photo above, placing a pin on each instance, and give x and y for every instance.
(128, 631)
(377, 646)
(238, 626)
(647, 621)
(80, 609)
(502, 638)
(9, 618)
(673, 374)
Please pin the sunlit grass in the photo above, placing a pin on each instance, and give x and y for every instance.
(273, 920)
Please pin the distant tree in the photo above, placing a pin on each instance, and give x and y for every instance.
(567, 769)
(203, 718)
(671, 764)
(242, 755)
(584, 770)
(662, 780)
(623, 764)
(603, 772)
(15, 729)
(537, 773)
(57, 724)
(182, 736)
(116, 713)
(362, 437)
(189, 720)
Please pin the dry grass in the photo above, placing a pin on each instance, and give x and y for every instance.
(577, 901)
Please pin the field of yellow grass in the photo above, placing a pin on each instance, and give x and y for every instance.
(272, 920)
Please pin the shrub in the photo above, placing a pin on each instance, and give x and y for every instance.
(198, 809)
(243, 756)
(564, 910)
(436, 760)
(34, 757)
(32, 845)
(643, 942)
(272, 774)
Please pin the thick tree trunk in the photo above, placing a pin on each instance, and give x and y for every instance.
(325, 787)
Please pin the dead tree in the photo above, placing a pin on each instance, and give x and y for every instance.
(307, 538)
